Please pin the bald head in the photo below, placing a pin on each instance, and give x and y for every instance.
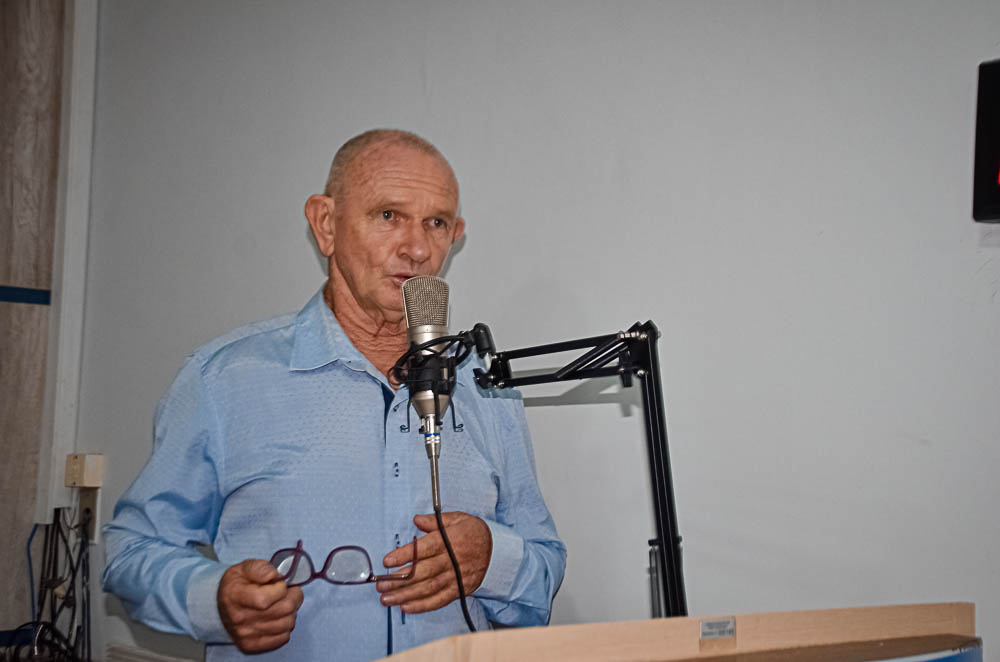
(346, 157)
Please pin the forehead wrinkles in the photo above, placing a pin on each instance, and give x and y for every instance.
(376, 180)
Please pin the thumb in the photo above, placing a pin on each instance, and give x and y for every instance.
(259, 571)
(425, 523)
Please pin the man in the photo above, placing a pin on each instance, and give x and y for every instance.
(289, 430)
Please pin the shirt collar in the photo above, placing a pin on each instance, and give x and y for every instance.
(319, 338)
(320, 341)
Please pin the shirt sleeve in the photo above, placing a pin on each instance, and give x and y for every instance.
(172, 507)
(528, 559)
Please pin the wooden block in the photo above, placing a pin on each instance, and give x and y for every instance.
(84, 470)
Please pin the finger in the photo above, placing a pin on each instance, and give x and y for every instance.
(297, 596)
(426, 523)
(260, 596)
(427, 547)
(436, 572)
(396, 578)
(268, 643)
(275, 626)
(431, 576)
(432, 602)
(425, 569)
(259, 571)
(420, 590)
(251, 626)
(399, 556)
(287, 606)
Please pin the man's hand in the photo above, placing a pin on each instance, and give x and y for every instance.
(256, 607)
(433, 583)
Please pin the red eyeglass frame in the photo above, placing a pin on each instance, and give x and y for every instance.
(298, 553)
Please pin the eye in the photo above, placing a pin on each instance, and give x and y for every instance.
(438, 223)
(388, 214)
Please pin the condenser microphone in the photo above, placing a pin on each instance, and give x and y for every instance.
(430, 376)
(425, 303)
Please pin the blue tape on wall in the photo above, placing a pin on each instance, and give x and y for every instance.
(25, 295)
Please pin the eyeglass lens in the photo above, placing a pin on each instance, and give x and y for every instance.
(294, 573)
(346, 566)
(349, 566)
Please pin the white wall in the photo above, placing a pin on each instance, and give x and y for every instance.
(785, 188)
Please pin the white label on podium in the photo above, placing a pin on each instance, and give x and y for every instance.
(718, 628)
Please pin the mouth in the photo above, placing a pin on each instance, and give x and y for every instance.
(399, 279)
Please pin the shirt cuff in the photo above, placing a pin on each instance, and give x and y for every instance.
(505, 561)
(203, 605)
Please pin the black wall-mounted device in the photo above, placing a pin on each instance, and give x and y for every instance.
(986, 185)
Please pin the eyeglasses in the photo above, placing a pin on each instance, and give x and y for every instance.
(349, 564)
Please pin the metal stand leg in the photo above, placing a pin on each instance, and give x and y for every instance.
(655, 598)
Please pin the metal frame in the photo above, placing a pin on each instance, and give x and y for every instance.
(636, 356)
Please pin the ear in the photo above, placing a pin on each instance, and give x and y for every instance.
(319, 213)
(459, 229)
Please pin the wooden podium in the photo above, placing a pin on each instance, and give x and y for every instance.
(841, 635)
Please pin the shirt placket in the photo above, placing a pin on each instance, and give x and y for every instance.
(397, 473)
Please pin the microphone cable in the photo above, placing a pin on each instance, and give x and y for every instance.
(415, 359)
(458, 572)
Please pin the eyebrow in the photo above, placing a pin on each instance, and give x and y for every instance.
(393, 204)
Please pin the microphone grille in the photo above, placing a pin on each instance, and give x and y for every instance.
(425, 301)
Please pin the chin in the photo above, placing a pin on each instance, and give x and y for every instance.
(392, 311)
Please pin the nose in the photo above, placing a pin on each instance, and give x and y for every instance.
(415, 244)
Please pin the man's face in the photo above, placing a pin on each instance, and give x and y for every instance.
(397, 217)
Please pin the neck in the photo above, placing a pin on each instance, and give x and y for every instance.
(381, 340)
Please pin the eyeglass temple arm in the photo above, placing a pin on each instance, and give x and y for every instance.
(410, 571)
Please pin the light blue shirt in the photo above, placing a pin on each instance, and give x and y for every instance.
(282, 430)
